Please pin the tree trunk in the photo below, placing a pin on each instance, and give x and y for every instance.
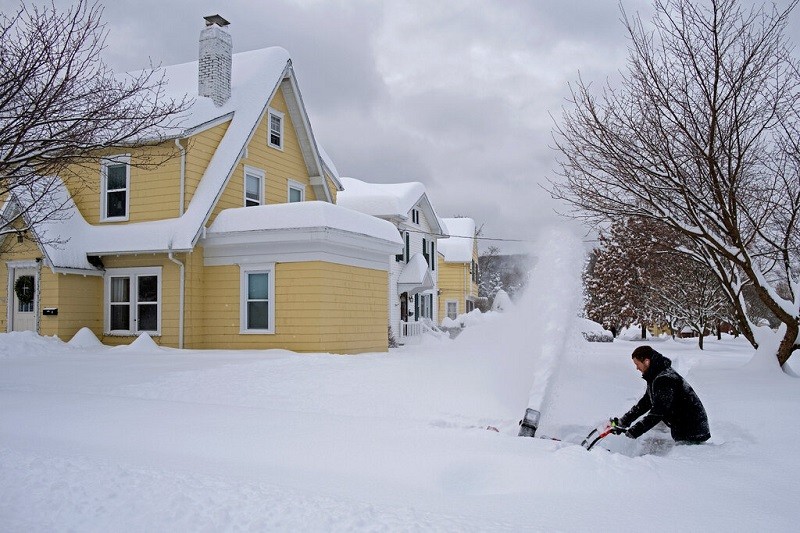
(644, 331)
(700, 340)
(788, 343)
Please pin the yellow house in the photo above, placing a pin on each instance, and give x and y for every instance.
(233, 241)
(458, 274)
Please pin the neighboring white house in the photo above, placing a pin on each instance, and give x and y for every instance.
(413, 274)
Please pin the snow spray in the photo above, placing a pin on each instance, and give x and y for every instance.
(554, 289)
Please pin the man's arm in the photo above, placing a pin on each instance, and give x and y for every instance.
(641, 407)
(663, 396)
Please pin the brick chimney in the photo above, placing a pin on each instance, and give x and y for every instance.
(214, 70)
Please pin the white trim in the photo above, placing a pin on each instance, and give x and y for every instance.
(132, 273)
(298, 245)
(12, 267)
(105, 162)
(261, 175)
(292, 184)
(270, 113)
(244, 271)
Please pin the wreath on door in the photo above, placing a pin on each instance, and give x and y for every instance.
(24, 288)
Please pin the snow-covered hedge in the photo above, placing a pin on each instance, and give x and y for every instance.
(598, 336)
(594, 332)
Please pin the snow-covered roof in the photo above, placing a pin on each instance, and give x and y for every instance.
(380, 199)
(302, 215)
(458, 248)
(415, 277)
(256, 76)
(388, 200)
(67, 239)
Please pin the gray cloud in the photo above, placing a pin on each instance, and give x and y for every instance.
(457, 94)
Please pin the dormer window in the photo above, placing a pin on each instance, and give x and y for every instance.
(415, 216)
(275, 131)
(115, 177)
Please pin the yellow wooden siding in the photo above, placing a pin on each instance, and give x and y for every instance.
(79, 300)
(154, 177)
(199, 150)
(279, 166)
(154, 183)
(194, 298)
(454, 282)
(319, 306)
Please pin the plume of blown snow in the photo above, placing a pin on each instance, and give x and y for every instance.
(525, 346)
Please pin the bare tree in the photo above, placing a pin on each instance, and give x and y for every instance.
(702, 134)
(60, 104)
(688, 294)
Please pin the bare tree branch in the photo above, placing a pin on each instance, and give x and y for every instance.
(702, 135)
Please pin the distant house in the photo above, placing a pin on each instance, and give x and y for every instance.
(413, 285)
(458, 274)
(234, 242)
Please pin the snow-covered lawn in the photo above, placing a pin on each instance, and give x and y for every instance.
(142, 439)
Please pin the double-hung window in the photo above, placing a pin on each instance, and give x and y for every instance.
(133, 301)
(275, 129)
(297, 191)
(253, 186)
(257, 311)
(116, 187)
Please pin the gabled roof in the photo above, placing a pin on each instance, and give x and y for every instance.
(256, 77)
(391, 201)
(458, 248)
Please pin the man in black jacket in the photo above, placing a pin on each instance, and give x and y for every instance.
(669, 398)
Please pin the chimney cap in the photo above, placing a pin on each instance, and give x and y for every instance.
(216, 19)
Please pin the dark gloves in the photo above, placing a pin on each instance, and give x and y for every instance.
(617, 429)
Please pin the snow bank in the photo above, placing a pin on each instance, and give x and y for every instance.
(28, 343)
(84, 339)
(144, 343)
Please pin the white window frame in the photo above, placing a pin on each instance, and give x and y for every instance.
(104, 164)
(261, 175)
(447, 305)
(245, 270)
(296, 185)
(131, 273)
(275, 113)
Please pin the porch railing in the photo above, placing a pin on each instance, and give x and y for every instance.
(410, 331)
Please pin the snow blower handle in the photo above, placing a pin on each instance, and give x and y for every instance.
(597, 434)
(615, 427)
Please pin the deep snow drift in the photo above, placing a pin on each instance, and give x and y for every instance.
(142, 438)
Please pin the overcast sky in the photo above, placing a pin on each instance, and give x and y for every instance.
(457, 94)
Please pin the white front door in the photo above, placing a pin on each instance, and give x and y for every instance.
(23, 310)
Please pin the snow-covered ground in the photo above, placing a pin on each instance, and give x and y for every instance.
(141, 438)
